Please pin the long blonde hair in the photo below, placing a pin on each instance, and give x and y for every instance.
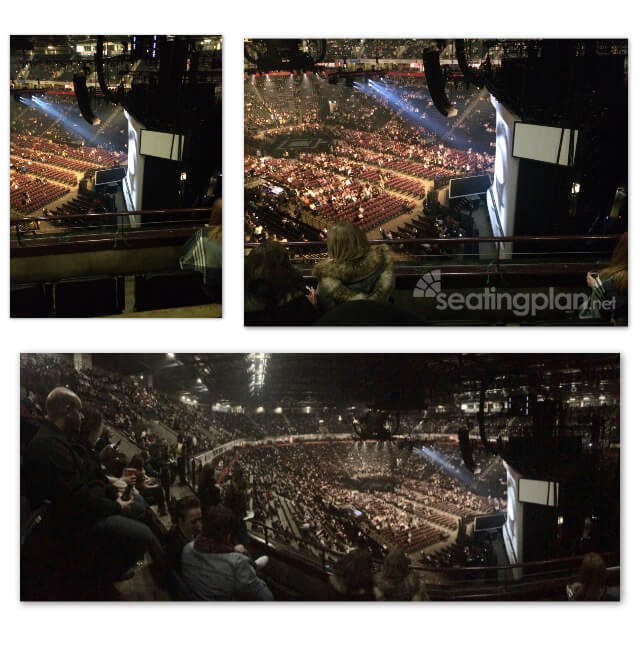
(346, 242)
(618, 267)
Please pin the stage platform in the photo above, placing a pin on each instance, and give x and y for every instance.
(293, 144)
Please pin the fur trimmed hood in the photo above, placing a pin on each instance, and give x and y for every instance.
(369, 278)
(377, 259)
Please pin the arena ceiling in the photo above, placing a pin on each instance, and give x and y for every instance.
(398, 381)
(20, 43)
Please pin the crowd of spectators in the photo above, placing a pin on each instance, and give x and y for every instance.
(48, 158)
(320, 193)
(129, 405)
(382, 158)
(322, 493)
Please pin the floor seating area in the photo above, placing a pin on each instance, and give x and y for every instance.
(28, 194)
(377, 211)
(44, 171)
(414, 539)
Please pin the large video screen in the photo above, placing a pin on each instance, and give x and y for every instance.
(161, 144)
(535, 491)
(113, 175)
(469, 186)
(131, 186)
(544, 144)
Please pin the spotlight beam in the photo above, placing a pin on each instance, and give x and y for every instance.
(461, 474)
(388, 97)
(65, 121)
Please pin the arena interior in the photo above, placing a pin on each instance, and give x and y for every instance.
(476, 163)
(449, 477)
(115, 175)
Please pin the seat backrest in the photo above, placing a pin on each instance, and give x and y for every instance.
(89, 296)
(31, 300)
(156, 291)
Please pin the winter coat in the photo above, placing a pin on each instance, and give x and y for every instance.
(368, 278)
(57, 469)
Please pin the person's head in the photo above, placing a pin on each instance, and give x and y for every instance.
(346, 242)
(92, 425)
(114, 462)
(396, 566)
(218, 524)
(355, 571)
(208, 476)
(618, 268)
(269, 276)
(592, 577)
(64, 409)
(137, 462)
(189, 516)
(237, 476)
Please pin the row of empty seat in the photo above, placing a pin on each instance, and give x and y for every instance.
(44, 171)
(377, 211)
(28, 193)
(104, 295)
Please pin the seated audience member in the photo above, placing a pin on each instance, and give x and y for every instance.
(208, 489)
(213, 570)
(274, 291)
(84, 443)
(354, 271)
(353, 578)
(148, 487)
(188, 526)
(91, 432)
(396, 581)
(236, 500)
(161, 464)
(82, 511)
(592, 580)
(609, 287)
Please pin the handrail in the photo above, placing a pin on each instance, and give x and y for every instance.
(462, 240)
(102, 215)
(474, 569)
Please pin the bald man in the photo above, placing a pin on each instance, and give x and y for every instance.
(81, 511)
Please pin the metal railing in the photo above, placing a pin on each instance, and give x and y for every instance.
(108, 228)
(463, 257)
(472, 582)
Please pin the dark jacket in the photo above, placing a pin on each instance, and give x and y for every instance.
(369, 278)
(235, 499)
(176, 542)
(209, 495)
(295, 312)
(57, 471)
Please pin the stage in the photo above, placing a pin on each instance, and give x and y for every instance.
(291, 145)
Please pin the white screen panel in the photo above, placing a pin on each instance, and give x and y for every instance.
(538, 492)
(161, 144)
(542, 143)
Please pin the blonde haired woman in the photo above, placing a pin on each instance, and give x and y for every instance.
(609, 287)
(354, 270)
